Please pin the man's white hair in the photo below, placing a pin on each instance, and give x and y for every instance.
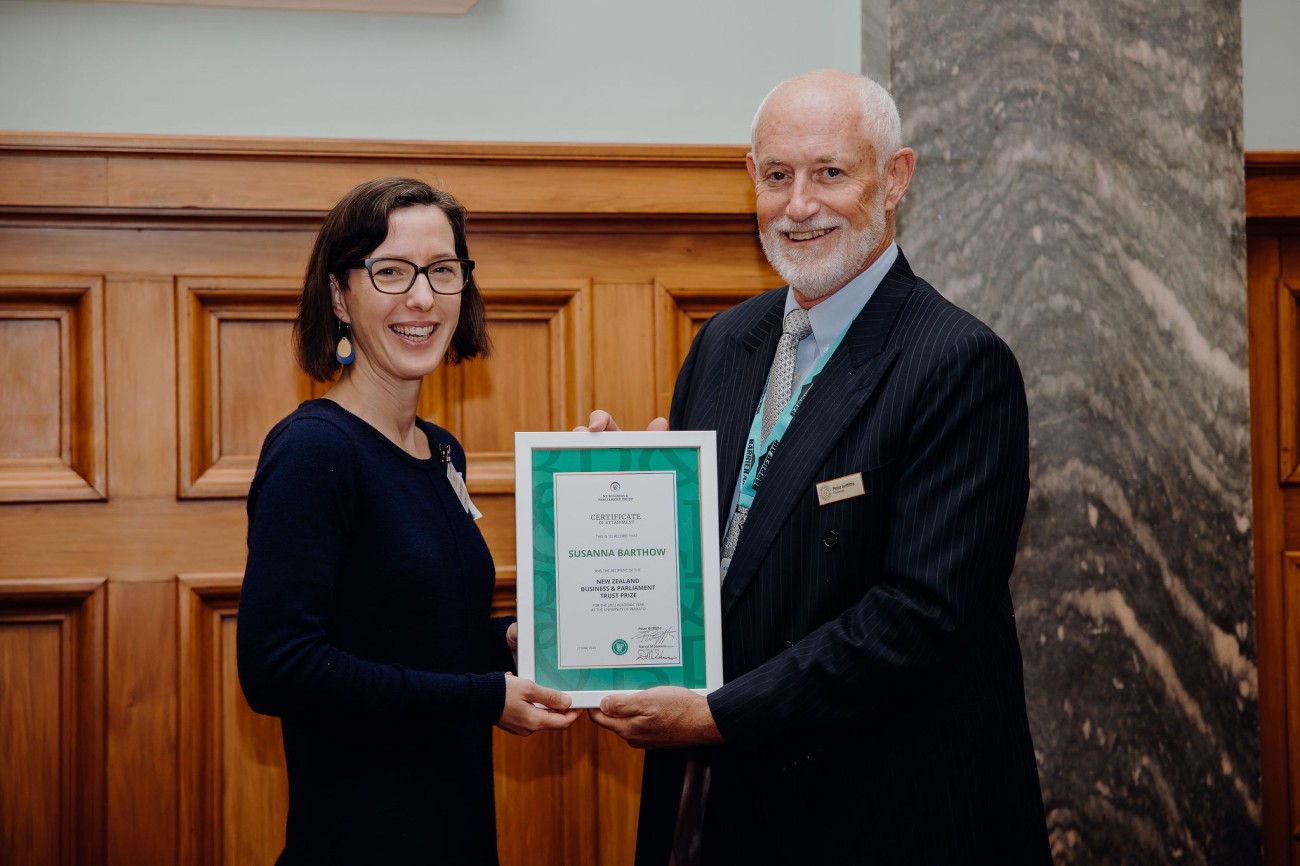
(880, 123)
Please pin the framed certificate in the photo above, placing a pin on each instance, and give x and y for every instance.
(618, 562)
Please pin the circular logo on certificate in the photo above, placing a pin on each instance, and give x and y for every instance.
(615, 486)
(619, 647)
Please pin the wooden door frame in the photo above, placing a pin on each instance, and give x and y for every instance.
(1272, 206)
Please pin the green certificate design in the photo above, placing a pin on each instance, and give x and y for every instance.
(618, 561)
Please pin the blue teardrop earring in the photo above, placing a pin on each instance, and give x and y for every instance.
(343, 352)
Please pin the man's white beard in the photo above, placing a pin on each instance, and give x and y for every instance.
(816, 276)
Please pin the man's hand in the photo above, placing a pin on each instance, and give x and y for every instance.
(521, 714)
(665, 717)
(601, 422)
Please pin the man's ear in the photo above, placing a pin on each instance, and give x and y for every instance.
(898, 176)
(339, 304)
(752, 166)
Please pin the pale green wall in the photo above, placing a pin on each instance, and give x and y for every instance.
(686, 71)
(1270, 35)
(689, 71)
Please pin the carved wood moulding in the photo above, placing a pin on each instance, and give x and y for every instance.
(59, 790)
(53, 427)
(1273, 185)
(55, 175)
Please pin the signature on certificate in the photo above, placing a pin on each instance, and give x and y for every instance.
(654, 643)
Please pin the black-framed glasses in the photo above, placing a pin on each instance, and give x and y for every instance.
(396, 276)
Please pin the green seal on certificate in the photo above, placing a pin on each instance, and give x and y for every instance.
(618, 561)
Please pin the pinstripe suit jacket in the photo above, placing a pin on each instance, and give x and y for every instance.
(873, 710)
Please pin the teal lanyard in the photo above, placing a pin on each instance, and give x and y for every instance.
(751, 471)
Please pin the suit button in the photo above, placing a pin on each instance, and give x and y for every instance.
(831, 538)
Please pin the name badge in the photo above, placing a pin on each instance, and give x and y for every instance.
(836, 489)
(462, 493)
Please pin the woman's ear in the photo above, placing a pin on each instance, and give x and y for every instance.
(339, 298)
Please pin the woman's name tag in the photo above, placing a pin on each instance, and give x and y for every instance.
(458, 484)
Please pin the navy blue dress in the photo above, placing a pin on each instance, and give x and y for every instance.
(364, 625)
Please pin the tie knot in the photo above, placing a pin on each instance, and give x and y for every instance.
(797, 324)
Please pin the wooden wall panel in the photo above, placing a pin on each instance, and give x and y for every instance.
(31, 822)
(255, 790)
(259, 383)
(680, 311)
(618, 790)
(537, 375)
(38, 181)
(243, 185)
(180, 262)
(31, 408)
(545, 796)
(234, 794)
(1268, 530)
(1272, 279)
(1272, 184)
(236, 378)
(1291, 654)
(142, 752)
(1284, 597)
(52, 808)
(283, 175)
(1288, 348)
(621, 386)
(140, 316)
(52, 425)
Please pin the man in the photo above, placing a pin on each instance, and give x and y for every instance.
(873, 710)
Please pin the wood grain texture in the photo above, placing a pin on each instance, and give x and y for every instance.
(626, 314)
(227, 819)
(52, 737)
(1288, 370)
(235, 379)
(260, 174)
(1273, 184)
(53, 401)
(1272, 275)
(680, 311)
(618, 790)
(142, 749)
(186, 255)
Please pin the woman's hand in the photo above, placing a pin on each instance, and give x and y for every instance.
(512, 642)
(530, 707)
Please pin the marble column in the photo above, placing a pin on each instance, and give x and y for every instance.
(1080, 188)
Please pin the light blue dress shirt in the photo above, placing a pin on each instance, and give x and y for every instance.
(836, 313)
(828, 319)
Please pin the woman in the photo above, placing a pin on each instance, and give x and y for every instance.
(364, 616)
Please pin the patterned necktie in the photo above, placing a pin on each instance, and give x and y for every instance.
(779, 380)
(795, 329)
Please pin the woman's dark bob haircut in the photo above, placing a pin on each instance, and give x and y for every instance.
(353, 230)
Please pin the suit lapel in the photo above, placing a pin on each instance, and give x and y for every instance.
(839, 393)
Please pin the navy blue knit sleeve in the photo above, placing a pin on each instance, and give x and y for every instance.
(300, 507)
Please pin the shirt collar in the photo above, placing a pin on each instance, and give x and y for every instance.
(833, 315)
